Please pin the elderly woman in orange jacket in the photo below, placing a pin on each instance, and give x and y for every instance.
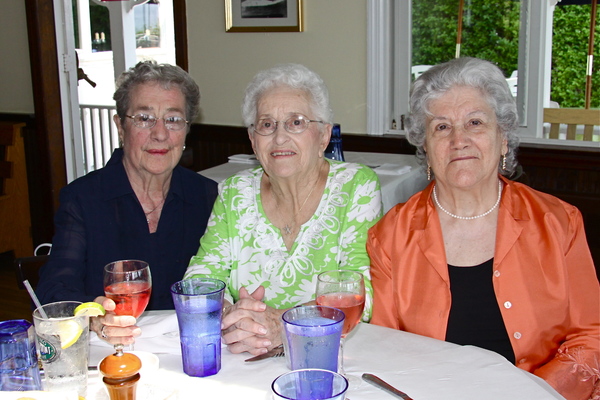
(476, 258)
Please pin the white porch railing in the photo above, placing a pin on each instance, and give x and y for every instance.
(99, 135)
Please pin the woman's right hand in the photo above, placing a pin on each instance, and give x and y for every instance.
(112, 328)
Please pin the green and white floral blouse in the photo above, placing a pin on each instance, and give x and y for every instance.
(242, 248)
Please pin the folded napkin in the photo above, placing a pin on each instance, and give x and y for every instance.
(160, 334)
(243, 159)
(392, 169)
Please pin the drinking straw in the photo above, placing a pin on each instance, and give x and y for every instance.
(34, 298)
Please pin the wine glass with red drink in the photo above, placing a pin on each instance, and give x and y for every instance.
(344, 290)
(129, 284)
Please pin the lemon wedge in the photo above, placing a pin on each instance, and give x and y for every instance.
(89, 309)
(68, 331)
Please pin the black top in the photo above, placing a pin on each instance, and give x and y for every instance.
(100, 220)
(475, 317)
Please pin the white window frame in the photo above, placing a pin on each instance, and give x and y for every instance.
(65, 47)
(389, 64)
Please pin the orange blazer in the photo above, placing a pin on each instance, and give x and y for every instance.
(544, 279)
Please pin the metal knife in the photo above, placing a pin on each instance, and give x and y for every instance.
(380, 383)
(274, 352)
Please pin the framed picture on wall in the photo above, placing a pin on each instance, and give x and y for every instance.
(263, 16)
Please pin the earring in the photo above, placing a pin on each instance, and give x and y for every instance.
(428, 172)
(503, 162)
(183, 148)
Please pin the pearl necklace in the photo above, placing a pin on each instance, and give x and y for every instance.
(476, 216)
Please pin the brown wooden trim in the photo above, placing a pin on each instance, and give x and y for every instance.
(212, 144)
(180, 26)
(49, 142)
(377, 144)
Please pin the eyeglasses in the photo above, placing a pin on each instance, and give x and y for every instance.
(146, 121)
(297, 123)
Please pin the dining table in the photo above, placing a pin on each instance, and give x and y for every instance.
(422, 367)
(400, 175)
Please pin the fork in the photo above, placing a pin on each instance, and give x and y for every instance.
(280, 352)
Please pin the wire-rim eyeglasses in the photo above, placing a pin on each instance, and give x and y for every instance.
(146, 121)
(295, 124)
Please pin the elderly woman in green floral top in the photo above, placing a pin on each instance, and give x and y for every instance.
(274, 228)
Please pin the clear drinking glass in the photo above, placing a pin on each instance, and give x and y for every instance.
(344, 290)
(129, 284)
(63, 342)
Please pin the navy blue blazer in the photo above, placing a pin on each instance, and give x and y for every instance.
(100, 220)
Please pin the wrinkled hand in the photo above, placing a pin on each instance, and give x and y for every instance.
(250, 325)
(119, 329)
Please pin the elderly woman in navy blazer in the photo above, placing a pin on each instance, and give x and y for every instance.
(141, 205)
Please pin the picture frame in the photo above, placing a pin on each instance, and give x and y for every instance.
(263, 16)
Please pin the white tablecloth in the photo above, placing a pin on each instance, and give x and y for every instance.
(425, 368)
(399, 174)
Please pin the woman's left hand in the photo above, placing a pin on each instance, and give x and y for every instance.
(250, 325)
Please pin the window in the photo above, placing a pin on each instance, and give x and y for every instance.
(92, 48)
(152, 26)
(397, 34)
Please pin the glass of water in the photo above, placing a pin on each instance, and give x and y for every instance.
(63, 343)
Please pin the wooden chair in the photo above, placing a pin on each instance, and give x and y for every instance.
(15, 220)
(572, 117)
(28, 268)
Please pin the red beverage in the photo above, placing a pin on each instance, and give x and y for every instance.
(131, 298)
(351, 304)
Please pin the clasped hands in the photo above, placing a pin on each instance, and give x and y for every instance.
(250, 325)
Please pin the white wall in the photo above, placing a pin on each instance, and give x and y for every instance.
(16, 95)
(333, 44)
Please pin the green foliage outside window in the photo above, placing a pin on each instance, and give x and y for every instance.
(569, 57)
(491, 32)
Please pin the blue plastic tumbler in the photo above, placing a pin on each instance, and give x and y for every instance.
(198, 304)
(310, 384)
(313, 336)
(18, 360)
